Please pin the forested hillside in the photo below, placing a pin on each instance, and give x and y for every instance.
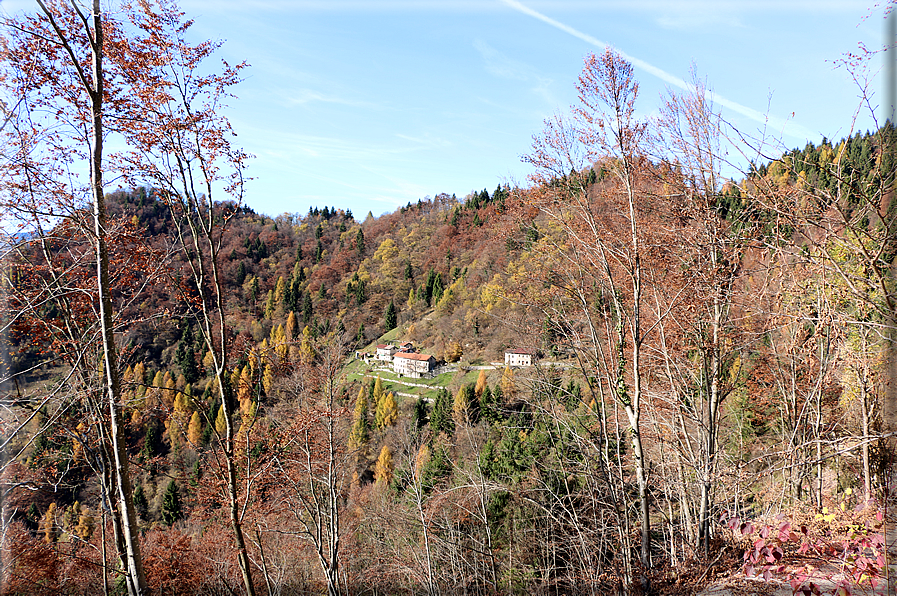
(708, 396)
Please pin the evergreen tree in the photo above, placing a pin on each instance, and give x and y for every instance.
(306, 308)
(409, 272)
(171, 504)
(421, 411)
(319, 252)
(150, 442)
(140, 502)
(185, 357)
(490, 409)
(359, 337)
(391, 318)
(441, 418)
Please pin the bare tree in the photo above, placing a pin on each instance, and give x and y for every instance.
(55, 62)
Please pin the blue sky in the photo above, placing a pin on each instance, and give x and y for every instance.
(370, 104)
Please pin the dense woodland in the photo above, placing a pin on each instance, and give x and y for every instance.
(192, 417)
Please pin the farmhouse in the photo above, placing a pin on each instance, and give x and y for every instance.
(386, 351)
(413, 365)
(519, 358)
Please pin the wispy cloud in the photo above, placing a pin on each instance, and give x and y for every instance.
(305, 96)
(787, 126)
(505, 67)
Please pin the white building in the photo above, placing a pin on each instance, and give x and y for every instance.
(519, 358)
(385, 352)
(413, 365)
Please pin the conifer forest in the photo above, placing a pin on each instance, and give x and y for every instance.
(633, 373)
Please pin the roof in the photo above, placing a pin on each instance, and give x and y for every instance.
(526, 352)
(410, 356)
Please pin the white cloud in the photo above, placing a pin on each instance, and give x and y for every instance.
(789, 127)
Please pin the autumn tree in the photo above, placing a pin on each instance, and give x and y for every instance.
(65, 69)
(601, 250)
(186, 152)
(387, 411)
(312, 464)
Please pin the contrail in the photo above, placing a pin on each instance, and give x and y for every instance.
(790, 128)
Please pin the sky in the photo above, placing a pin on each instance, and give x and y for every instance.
(371, 104)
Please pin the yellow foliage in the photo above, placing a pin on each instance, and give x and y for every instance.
(383, 468)
(221, 422)
(481, 384)
(387, 411)
(194, 430)
(508, 386)
(421, 460)
(452, 352)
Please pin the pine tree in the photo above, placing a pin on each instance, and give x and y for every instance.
(171, 504)
(185, 357)
(441, 418)
(306, 308)
(391, 318)
(140, 503)
(383, 468)
(387, 411)
(150, 442)
(421, 411)
(489, 407)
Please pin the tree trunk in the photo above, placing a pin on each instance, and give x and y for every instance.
(136, 578)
